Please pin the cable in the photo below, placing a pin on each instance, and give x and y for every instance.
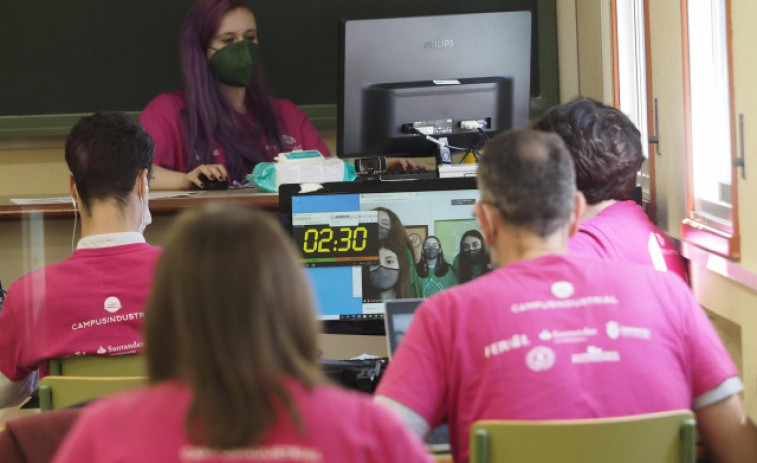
(435, 140)
(76, 216)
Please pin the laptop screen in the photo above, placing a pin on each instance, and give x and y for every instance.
(362, 243)
(399, 313)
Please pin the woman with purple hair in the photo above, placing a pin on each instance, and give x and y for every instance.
(224, 121)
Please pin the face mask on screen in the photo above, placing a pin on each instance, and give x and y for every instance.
(474, 253)
(384, 278)
(234, 65)
(431, 253)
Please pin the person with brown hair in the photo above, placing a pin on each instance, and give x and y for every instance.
(434, 272)
(390, 277)
(233, 363)
(607, 153)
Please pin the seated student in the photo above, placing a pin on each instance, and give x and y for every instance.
(91, 303)
(607, 153)
(550, 335)
(473, 259)
(233, 362)
(433, 272)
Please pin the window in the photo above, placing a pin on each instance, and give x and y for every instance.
(711, 191)
(631, 79)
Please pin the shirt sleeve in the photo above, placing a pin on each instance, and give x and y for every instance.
(299, 126)
(416, 376)
(709, 364)
(16, 325)
(161, 119)
(399, 443)
(13, 393)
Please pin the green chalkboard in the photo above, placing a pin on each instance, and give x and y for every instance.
(60, 59)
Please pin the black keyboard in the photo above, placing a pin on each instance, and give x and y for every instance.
(399, 175)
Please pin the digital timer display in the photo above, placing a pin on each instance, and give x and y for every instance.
(324, 244)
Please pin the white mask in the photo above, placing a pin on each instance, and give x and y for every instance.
(146, 215)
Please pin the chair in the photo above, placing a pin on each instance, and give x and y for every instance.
(655, 437)
(35, 438)
(97, 365)
(56, 392)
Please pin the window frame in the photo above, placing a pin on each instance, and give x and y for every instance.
(695, 229)
(633, 84)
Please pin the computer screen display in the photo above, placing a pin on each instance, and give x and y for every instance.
(363, 243)
(447, 76)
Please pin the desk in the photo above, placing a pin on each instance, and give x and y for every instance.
(162, 206)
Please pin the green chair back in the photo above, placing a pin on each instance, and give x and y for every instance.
(96, 365)
(56, 392)
(650, 438)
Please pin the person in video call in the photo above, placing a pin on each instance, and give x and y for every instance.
(224, 120)
(607, 152)
(91, 303)
(434, 273)
(389, 279)
(392, 230)
(232, 358)
(556, 335)
(473, 259)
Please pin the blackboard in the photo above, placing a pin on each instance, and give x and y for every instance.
(63, 58)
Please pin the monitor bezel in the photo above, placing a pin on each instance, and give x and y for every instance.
(288, 191)
(520, 109)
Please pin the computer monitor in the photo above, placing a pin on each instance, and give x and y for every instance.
(446, 76)
(344, 232)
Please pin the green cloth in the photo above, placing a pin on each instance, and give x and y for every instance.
(424, 287)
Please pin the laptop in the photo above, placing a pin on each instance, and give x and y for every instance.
(397, 317)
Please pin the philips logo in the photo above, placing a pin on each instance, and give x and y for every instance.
(445, 43)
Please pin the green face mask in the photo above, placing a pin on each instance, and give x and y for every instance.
(234, 64)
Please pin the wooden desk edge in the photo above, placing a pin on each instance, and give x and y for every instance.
(162, 206)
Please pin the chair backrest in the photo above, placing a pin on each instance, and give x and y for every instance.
(99, 365)
(56, 392)
(655, 437)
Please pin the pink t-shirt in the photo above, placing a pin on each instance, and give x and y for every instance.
(556, 337)
(162, 120)
(623, 231)
(90, 304)
(147, 425)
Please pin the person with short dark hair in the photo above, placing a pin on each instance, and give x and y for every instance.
(556, 335)
(91, 303)
(607, 152)
(232, 359)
